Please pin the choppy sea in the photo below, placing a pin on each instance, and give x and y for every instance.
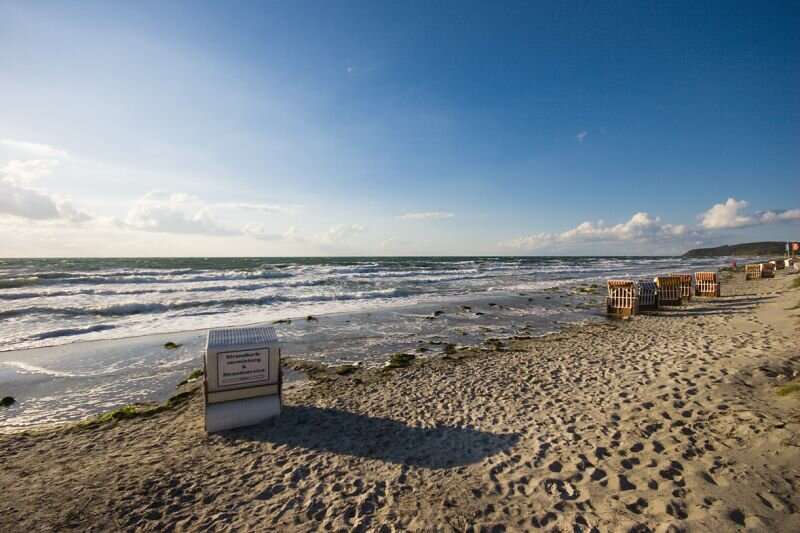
(59, 318)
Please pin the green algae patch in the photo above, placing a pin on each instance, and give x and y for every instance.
(346, 370)
(7, 401)
(194, 375)
(136, 411)
(400, 360)
(171, 345)
(283, 321)
(792, 388)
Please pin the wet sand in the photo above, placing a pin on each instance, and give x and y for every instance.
(667, 422)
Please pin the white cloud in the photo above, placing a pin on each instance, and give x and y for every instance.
(434, 215)
(339, 233)
(581, 136)
(40, 150)
(18, 198)
(164, 212)
(640, 227)
(265, 208)
(725, 216)
(25, 172)
(257, 231)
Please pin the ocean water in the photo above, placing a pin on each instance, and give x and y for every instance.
(364, 310)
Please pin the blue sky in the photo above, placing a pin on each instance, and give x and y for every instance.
(388, 128)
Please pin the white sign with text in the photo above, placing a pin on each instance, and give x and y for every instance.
(245, 366)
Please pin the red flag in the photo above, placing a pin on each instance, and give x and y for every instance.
(794, 246)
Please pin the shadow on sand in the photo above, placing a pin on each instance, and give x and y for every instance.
(715, 306)
(346, 433)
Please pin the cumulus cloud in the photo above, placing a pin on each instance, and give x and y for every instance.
(164, 212)
(434, 215)
(640, 227)
(339, 233)
(40, 150)
(725, 216)
(18, 198)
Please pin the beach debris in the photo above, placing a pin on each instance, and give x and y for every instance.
(478, 314)
(193, 376)
(346, 370)
(312, 318)
(399, 360)
(530, 299)
(434, 315)
(284, 321)
(7, 401)
(171, 345)
(492, 304)
(466, 308)
(495, 344)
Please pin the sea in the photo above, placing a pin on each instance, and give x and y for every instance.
(83, 336)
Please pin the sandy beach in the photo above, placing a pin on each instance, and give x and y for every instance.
(668, 422)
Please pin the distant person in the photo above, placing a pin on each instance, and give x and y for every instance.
(734, 265)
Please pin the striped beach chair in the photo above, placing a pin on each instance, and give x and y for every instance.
(779, 264)
(669, 290)
(686, 286)
(648, 296)
(767, 270)
(623, 298)
(706, 284)
(752, 272)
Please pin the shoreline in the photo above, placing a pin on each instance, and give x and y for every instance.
(660, 419)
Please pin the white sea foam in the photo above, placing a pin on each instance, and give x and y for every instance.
(31, 369)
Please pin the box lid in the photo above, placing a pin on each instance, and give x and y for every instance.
(245, 336)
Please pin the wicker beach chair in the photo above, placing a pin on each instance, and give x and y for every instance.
(669, 290)
(779, 264)
(648, 296)
(623, 298)
(767, 270)
(686, 286)
(706, 284)
(752, 272)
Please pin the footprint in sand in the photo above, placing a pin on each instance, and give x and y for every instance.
(638, 506)
(560, 488)
(774, 502)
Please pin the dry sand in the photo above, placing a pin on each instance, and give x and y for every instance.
(665, 423)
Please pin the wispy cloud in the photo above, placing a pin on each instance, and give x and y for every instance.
(434, 215)
(39, 150)
(727, 215)
(581, 136)
(258, 231)
(640, 227)
(265, 208)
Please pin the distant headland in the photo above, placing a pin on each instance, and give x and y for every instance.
(748, 248)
